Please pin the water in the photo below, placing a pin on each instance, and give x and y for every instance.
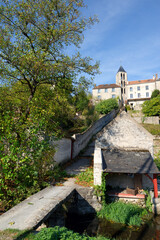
(93, 226)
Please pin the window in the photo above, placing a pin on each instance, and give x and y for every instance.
(123, 76)
(106, 90)
(99, 90)
(138, 88)
(113, 89)
(139, 95)
(147, 94)
(147, 87)
(131, 89)
(99, 97)
(113, 96)
(131, 95)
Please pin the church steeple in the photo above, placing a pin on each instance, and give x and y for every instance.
(121, 77)
(121, 69)
(121, 80)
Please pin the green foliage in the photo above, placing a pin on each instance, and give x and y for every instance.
(56, 233)
(37, 104)
(33, 40)
(62, 233)
(106, 106)
(152, 107)
(120, 212)
(85, 178)
(155, 93)
(157, 160)
(128, 107)
(152, 128)
(148, 202)
(100, 191)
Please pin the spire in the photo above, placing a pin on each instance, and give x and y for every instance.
(121, 69)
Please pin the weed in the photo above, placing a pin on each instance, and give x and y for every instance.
(129, 214)
(154, 129)
(85, 178)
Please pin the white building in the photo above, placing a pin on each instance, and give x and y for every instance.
(132, 92)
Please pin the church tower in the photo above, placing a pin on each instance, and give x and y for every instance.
(121, 80)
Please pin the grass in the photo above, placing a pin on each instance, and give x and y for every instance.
(15, 234)
(56, 233)
(129, 214)
(152, 128)
(85, 178)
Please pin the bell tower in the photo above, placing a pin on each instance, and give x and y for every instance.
(121, 80)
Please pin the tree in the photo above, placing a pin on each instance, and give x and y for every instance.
(39, 81)
(152, 107)
(155, 93)
(33, 38)
(106, 106)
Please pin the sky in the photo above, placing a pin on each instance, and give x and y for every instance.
(128, 34)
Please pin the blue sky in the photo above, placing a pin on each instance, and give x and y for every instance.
(128, 34)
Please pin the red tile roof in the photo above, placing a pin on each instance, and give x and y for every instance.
(141, 81)
(103, 86)
(138, 99)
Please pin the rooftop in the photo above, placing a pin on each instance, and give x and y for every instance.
(121, 69)
(103, 86)
(121, 161)
(141, 81)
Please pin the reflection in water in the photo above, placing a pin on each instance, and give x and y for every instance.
(93, 226)
(149, 231)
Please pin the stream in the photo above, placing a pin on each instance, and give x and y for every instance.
(93, 226)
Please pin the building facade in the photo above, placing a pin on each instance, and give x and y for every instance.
(133, 93)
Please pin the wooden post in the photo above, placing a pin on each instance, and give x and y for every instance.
(155, 185)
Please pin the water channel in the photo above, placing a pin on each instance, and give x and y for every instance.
(93, 226)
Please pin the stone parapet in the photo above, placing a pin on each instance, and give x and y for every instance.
(98, 166)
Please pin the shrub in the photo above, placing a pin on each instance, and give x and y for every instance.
(106, 106)
(152, 107)
(155, 93)
(62, 233)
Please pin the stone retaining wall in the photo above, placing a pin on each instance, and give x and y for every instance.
(148, 120)
(156, 145)
(68, 148)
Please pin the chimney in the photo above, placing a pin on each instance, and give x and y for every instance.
(94, 85)
(156, 76)
(153, 77)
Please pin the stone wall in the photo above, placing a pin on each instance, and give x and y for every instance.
(156, 145)
(64, 146)
(63, 149)
(81, 201)
(82, 139)
(148, 120)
